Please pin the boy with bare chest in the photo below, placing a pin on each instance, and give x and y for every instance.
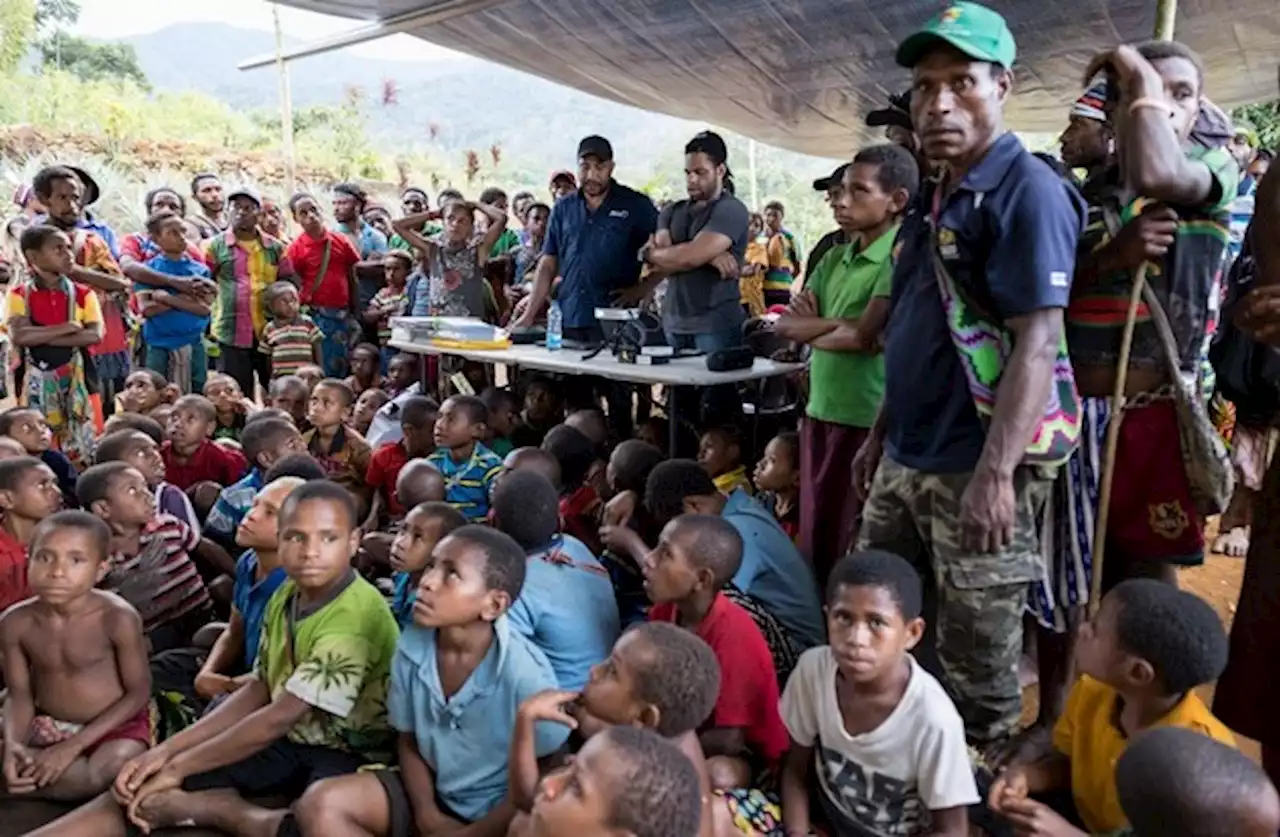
(76, 667)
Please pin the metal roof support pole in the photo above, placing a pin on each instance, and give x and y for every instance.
(1166, 16)
(286, 108)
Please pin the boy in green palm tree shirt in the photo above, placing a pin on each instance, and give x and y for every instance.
(316, 708)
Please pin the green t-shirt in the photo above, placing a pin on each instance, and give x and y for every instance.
(508, 241)
(339, 664)
(847, 387)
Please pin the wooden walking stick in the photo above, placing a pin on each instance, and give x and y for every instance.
(1113, 441)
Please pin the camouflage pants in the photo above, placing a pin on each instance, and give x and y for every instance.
(980, 598)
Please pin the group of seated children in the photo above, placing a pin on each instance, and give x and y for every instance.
(411, 635)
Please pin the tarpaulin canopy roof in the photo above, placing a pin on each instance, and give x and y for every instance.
(801, 74)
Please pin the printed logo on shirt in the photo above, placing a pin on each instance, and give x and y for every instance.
(619, 213)
(867, 803)
(1058, 279)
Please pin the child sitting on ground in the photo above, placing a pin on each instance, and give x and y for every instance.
(744, 739)
(580, 505)
(28, 494)
(1176, 782)
(417, 425)
(504, 415)
(657, 677)
(567, 605)
(623, 781)
(531, 459)
(343, 452)
(460, 672)
(629, 467)
(390, 300)
(265, 441)
(467, 465)
(292, 395)
(189, 454)
(720, 453)
(78, 705)
(423, 527)
(773, 572)
(259, 574)
(53, 321)
(419, 482)
(1140, 658)
(367, 406)
(144, 391)
(292, 339)
(146, 425)
(543, 410)
(150, 559)
(232, 408)
(29, 428)
(141, 452)
(591, 421)
(174, 324)
(292, 724)
(366, 369)
(777, 478)
(878, 728)
(310, 374)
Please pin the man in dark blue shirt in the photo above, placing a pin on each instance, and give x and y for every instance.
(593, 240)
(949, 487)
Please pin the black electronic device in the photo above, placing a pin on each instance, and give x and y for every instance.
(730, 360)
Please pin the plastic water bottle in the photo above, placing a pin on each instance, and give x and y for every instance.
(555, 328)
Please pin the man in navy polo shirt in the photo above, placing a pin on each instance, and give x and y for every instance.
(949, 489)
(593, 238)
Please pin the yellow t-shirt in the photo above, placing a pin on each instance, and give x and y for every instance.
(731, 481)
(1087, 734)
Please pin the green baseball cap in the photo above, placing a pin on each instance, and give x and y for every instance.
(975, 30)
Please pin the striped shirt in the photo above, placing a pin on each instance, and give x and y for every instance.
(389, 297)
(161, 582)
(290, 345)
(467, 483)
(243, 270)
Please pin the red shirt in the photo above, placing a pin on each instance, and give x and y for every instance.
(210, 462)
(13, 571)
(384, 470)
(748, 681)
(306, 254)
(140, 248)
(579, 516)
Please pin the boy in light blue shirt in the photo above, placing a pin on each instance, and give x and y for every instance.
(567, 606)
(773, 572)
(458, 678)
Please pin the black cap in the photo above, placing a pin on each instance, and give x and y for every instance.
(897, 113)
(91, 190)
(823, 184)
(595, 146)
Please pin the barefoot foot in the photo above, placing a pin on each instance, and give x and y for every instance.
(175, 808)
(1233, 544)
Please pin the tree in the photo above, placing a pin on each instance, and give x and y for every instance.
(93, 62)
(17, 24)
(1265, 118)
(53, 14)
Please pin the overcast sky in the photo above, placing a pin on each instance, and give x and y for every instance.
(106, 19)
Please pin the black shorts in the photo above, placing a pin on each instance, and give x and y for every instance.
(283, 769)
(401, 810)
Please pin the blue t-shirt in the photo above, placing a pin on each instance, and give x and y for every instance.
(467, 483)
(596, 251)
(465, 738)
(371, 243)
(250, 596)
(403, 597)
(173, 329)
(568, 608)
(774, 572)
(232, 505)
(1007, 235)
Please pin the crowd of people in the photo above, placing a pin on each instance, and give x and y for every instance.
(263, 574)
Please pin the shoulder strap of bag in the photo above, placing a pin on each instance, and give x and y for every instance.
(324, 266)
